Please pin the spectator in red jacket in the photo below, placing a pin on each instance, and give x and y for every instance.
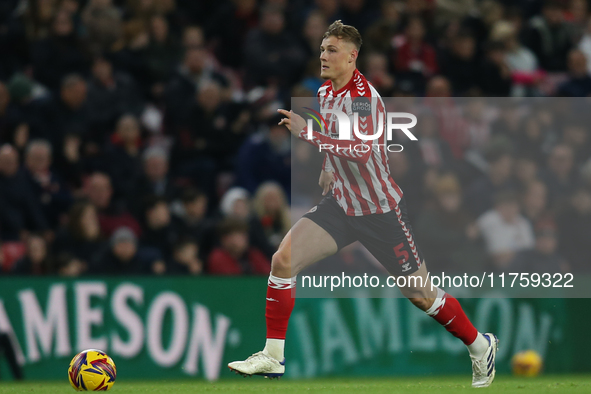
(416, 59)
(235, 256)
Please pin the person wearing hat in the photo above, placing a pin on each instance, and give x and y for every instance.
(125, 257)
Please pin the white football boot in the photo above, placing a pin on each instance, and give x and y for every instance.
(259, 364)
(483, 369)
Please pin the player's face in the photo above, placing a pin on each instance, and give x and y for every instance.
(336, 56)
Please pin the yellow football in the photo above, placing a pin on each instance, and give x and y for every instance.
(92, 370)
(527, 363)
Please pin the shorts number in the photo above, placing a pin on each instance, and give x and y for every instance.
(401, 253)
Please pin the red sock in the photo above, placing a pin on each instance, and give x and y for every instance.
(280, 302)
(449, 313)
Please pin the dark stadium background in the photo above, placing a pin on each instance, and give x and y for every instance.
(139, 137)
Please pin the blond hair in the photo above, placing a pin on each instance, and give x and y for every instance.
(344, 32)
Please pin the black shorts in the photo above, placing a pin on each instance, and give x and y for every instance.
(388, 236)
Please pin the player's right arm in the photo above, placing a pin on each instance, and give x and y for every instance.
(345, 149)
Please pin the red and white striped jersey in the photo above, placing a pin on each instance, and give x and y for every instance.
(363, 184)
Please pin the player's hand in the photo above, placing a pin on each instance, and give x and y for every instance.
(294, 122)
(326, 181)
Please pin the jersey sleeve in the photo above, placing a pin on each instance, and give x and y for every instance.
(326, 165)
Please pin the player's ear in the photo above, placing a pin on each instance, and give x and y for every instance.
(353, 56)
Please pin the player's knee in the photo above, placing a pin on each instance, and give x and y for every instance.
(422, 303)
(281, 261)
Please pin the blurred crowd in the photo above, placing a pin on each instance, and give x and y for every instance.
(140, 136)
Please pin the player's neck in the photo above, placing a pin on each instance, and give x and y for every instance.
(341, 81)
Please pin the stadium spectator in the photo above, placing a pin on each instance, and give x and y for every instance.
(312, 33)
(235, 256)
(19, 206)
(495, 74)
(576, 14)
(549, 37)
(265, 156)
(22, 115)
(359, 13)
(270, 206)
(81, 238)
(214, 129)
(103, 22)
(273, 56)
(70, 161)
(53, 196)
(68, 113)
(505, 231)
(111, 95)
(59, 54)
(410, 178)
(478, 117)
(575, 134)
(38, 18)
(560, 175)
(574, 225)
(162, 55)
(125, 257)
(190, 218)
(156, 179)
(37, 260)
(460, 64)
(509, 120)
(532, 139)
(579, 80)
(185, 258)
(378, 37)
(193, 37)
(123, 156)
(447, 232)
(235, 204)
(181, 90)
(228, 28)
(70, 266)
(112, 214)
(415, 59)
(479, 195)
(376, 71)
(158, 231)
(544, 258)
(534, 203)
(521, 61)
(526, 170)
(430, 151)
(129, 53)
(330, 9)
(452, 127)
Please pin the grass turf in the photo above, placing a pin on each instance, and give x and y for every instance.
(439, 385)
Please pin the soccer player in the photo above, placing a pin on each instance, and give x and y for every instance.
(365, 205)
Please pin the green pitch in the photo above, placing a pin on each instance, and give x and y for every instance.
(439, 385)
